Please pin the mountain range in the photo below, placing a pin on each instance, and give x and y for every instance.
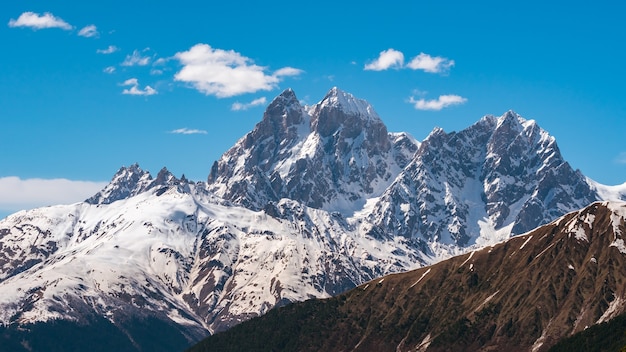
(315, 200)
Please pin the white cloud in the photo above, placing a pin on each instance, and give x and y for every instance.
(89, 31)
(188, 131)
(621, 158)
(392, 58)
(20, 194)
(156, 72)
(430, 64)
(110, 50)
(437, 104)
(226, 73)
(241, 106)
(287, 71)
(37, 21)
(109, 69)
(135, 90)
(387, 59)
(136, 59)
(161, 61)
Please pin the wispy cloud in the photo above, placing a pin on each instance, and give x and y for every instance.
(437, 104)
(188, 131)
(135, 90)
(245, 106)
(37, 21)
(110, 50)
(287, 71)
(226, 73)
(136, 59)
(89, 31)
(432, 64)
(20, 194)
(387, 59)
(621, 158)
(109, 69)
(392, 58)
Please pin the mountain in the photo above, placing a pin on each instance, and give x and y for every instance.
(500, 177)
(315, 200)
(174, 259)
(332, 156)
(524, 294)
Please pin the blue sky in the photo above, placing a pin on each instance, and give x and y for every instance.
(86, 87)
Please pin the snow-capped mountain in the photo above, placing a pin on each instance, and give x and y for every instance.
(332, 156)
(172, 254)
(500, 177)
(313, 201)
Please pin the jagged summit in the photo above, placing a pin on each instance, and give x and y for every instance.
(287, 100)
(332, 155)
(133, 180)
(347, 103)
(501, 176)
(127, 182)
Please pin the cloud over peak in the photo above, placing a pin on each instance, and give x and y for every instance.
(392, 58)
(437, 104)
(226, 73)
(36, 21)
(186, 130)
(237, 106)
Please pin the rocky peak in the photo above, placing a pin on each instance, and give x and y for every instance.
(336, 152)
(504, 172)
(342, 111)
(131, 181)
(346, 102)
(164, 178)
(281, 114)
(127, 182)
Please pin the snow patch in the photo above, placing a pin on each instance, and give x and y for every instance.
(619, 244)
(615, 307)
(421, 277)
(525, 242)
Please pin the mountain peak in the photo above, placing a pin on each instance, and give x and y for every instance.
(285, 99)
(512, 120)
(348, 103)
(126, 182)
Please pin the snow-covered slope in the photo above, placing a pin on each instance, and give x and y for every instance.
(175, 255)
(612, 193)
